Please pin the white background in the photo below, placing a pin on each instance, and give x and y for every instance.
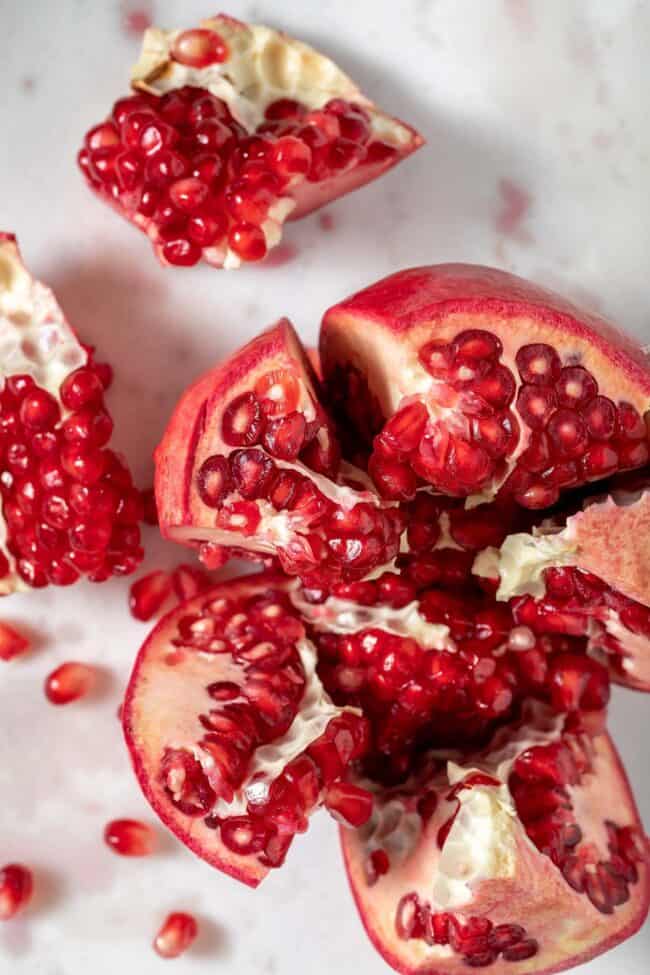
(549, 97)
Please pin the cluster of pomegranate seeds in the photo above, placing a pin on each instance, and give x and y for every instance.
(176, 934)
(258, 633)
(12, 643)
(69, 682)
(327, 540)
(540, 784)
(477, 939)
(16, 885)
(129, 837)
(185, 171)
(69, 503)
(575, 435)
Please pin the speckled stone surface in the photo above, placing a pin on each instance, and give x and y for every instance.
(537, 161)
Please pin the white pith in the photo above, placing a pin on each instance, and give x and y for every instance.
(481, 843)
(314, 713)
(263, 66)
(35, 339)
(523, 559)
(342, 616)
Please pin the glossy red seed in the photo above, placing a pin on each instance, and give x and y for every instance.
(278, 392)
(243, 421)
(349, 804)
(129, 837)
(535, 405)
(214, 482)
(199, 48)
(16, 886)
(80, 388)
(538, 364)
(181, 252)
(575, 387)
(148, 595)
(188, 194)
(247, 241)
(176, 935)
(69, 682)
(284, 435)
(12, 643)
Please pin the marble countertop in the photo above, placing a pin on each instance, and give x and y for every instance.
(535, 112)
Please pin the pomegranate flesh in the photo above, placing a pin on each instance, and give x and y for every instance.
(69, 507)
(232, 129)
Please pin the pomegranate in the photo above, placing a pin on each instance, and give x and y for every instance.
(234, 128)
(462, 577)
(258, 743)
(251, 460)
(69, 507)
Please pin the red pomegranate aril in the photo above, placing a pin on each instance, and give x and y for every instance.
(207, 230)
(538, 364)
(149, 594)
(252, 472)
(289, 157)
(243, 421)
(575, 387)
(129, 838)
(12, 643)
(630, 423)
(599, 461)
(199, 48)
(248, 203)
(535, 405)
(349, 804)
(521, 951)
(247, 241)
(404, 430)
(284, 435)
(176, 935)
(39, 410)
(69, 682)
(16, 886)
(567, 433)
(240, 516)
(394, 480)
(188, 194)
(600, 418)
(81, 388)
(181, 252)
(278, 392)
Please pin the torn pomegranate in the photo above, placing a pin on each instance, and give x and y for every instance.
(460, 513)
(69, 507)
(234, 128)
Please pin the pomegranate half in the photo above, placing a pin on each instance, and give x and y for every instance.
(69, 507)
(459, 512)
(233, 129)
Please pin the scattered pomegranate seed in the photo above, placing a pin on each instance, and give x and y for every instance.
(69, 682)
(176, 935)
(129, 837)
(148, 594)
(16, 884)
(12, 644)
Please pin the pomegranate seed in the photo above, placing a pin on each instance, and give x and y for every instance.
(199, 48)
(535, 405)
(81, 388)
(16, 885)
(181, 252)
(349, 804)
(69, 682)
(538, 364)
(567, 433)
(278, 392)
(129, 837)
(247, 241)
(243, 421)
(600, 418)
(176, 935)
(521, 951)
(284, 108)
(213, 480)
(148, 595)
(12, 644)
(285, 435)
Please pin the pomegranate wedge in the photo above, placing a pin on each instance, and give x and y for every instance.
(479, 383)
(234, 128)
(69, 507)
(250, 459)
(232, 736)
(525, 857)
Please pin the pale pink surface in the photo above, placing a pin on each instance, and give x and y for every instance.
(490, 93)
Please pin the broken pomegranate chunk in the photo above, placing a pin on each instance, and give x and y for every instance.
(69, 507)
(209, 157)
(460, 511)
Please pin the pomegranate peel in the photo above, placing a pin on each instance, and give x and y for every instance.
(235, 128)
(69, 504)
(236, 772)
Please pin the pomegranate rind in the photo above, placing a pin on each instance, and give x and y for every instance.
(264, 65)
(536, 887)
(381, 330)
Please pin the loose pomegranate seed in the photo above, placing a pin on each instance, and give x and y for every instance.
(129, 837)
(247, 241)
(148, 595)
(176, 935)
(12, 644)
(69, 682)
(243, 421)
(16, 885)
(214, 481)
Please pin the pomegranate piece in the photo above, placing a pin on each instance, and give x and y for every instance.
(493, 412)
(252, 741)
(210, 164)
(69, 507)
(549, 883)
(129, 838)
(176, 934)
(16, 884)
(251, 460)
(69, 682)
(12, 644)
